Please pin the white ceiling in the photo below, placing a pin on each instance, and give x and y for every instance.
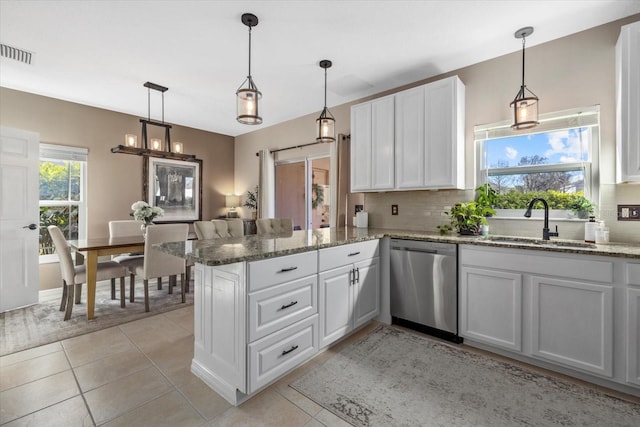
(99, 53)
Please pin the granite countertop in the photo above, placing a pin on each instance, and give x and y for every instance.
(254, 247)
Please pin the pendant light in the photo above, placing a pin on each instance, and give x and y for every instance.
(525, 105)
(326, 124)
(248, 94)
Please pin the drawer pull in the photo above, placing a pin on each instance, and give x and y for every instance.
(291, 304)
(284, 270)
(354, 253)
(285, 352)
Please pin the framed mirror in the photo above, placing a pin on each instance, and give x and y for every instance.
(175, 186)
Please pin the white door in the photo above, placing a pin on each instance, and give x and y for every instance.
(19, 218)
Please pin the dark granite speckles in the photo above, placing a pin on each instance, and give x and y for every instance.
(253, 247)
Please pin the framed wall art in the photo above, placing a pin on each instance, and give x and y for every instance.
(175, 186)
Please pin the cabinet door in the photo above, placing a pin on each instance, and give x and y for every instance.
(382, 143)
(444, 151)
(410, 155)
(335, 304)
(572, 324)
(633, 335)
(366, 301)
(361, 147)
(491, 307)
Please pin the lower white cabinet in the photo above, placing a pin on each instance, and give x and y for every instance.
(491, 303)
(633, 336)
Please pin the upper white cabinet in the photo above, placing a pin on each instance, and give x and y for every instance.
(430, 136)
(425, 149)
(628, 104)
(372, 133)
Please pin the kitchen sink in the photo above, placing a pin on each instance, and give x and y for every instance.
(557, 243)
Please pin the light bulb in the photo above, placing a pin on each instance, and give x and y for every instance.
(156, 144)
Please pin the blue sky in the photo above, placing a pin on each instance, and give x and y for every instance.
(565, 146)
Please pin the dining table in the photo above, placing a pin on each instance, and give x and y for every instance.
(96, 247)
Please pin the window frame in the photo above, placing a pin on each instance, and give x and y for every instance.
(55, 152)
(550, 122)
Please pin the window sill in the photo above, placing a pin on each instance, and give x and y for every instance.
(536, 214)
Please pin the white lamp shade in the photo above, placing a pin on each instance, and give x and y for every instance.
(130, 140)
(525, 113)
(156, 144)
(232, 201)
(326, 129)
(248, 106)
(178, 147)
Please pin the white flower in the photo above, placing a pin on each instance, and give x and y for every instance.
(139, 205)
(143, 212)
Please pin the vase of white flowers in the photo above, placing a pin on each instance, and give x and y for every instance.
(142, 211)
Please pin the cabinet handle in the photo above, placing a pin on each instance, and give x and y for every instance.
(284, 270)
(285, 352)
(291, 304)
(354, 253)
(358, 275)
(352, 275)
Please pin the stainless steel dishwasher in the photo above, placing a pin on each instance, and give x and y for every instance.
(424, 287)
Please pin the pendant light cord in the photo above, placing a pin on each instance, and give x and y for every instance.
(523, 40)
(325, 88)
(249, 51)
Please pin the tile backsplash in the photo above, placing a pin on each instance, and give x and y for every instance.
(423, 211)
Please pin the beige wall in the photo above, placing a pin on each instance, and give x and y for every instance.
(574, 71)
(115, 180)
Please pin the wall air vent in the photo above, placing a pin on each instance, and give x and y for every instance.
(15, 53)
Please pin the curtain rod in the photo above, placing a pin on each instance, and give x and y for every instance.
(299, 146)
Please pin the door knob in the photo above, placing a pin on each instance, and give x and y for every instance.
(31, 226)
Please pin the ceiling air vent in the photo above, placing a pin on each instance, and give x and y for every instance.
(15, 53)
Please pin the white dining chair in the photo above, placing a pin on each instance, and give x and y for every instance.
(73, 276)
(218, 228)
(274, 225)
(126, 228)
(159, 264)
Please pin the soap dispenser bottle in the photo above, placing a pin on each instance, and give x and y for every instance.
(590, 230)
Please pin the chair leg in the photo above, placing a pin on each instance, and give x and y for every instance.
(132, 287)
(182, 286)
(63, 303)
(146, 295)
(67, 313)
(187, 278)
(159, 283)
(122, 295)
(113, 288)
(172, 280)
(78, 292)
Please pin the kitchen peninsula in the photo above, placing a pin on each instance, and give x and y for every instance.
(266, 304)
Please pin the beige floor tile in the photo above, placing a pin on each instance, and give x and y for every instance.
(301, 401)
(96, 345)
(30, 354)
(111, 368)
(154, 332)
(70, 413)
(330, 420)
(182, 317)
(206, 401)
(266, 409)
(116, 398)
(314, 423)
(32, 369)
(174, 360)
(27, 398)
(170, 410)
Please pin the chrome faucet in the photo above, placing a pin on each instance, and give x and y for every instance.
(545, 231)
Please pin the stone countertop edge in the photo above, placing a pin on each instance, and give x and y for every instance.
(254, 247)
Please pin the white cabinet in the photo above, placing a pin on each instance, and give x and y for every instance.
(430, 136)
(372, 145)
(628, 104)
(349, 288)
(491, 307)
(633, 336)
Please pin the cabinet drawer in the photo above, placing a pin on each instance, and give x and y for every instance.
(347, 254)
(633, 273)
(279, 306)
(279, 352)
(268, 272)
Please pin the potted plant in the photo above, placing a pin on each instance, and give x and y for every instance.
(467, 218)
(487, 196)
(582, 207)
(251, 202)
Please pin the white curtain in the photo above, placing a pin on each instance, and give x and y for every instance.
(266, 204)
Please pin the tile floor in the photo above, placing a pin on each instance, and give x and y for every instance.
(138, 374)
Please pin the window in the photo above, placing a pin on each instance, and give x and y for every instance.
(557, 161)
(62, 194)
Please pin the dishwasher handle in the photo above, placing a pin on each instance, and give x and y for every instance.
(426, 251)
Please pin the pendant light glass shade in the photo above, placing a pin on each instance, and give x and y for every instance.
(248, 95)
(325, 124)
(525, 104)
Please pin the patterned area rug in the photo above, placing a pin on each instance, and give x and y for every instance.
(43, 323)
(397, 378)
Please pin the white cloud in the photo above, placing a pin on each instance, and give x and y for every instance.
(511, 152)
(567, 144)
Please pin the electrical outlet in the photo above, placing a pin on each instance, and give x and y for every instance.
(628, 212)
(394, 209)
